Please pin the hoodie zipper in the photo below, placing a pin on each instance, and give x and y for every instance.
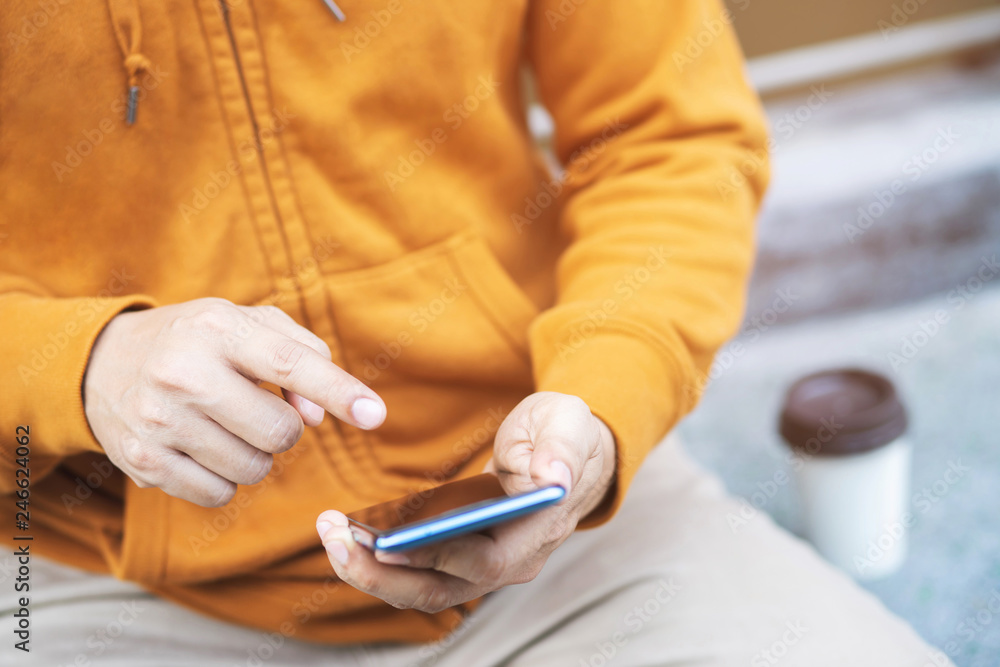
(224, 8)
(255, 129)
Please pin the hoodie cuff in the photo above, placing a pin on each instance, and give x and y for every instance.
(50, 349)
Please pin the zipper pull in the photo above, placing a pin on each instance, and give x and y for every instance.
(133, 103)
(336, 10)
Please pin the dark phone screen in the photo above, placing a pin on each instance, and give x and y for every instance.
(425, 504)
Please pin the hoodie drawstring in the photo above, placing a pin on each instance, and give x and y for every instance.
(128, 31)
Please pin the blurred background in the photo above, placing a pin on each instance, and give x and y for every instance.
(884, 212)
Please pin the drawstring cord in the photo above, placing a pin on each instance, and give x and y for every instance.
(335, 9)
(128, 31)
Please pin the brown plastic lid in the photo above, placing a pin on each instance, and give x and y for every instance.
(841, 411)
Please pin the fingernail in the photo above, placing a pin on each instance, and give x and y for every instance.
(338, 543)
(322, 527)
(313, 411)
(392, 558)
(337, 549)
(367, 413)
(561, 472)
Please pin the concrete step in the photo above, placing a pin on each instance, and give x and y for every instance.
(884, 191)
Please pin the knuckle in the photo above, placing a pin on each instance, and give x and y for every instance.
(152, 413)
(528, 574)
(365, 580)
(258, 467)
(323, 348)
(144, 460)
(440, 558)
(213, 302)
(223, 496)
(286, 357)
(285, 432)
(341, 391)
(578, 403)
(215, 317)
(557, 532)
(170, 373)
(431, 599)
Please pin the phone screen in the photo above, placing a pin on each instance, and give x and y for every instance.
(443, 512)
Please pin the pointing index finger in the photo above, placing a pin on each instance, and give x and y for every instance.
(274, 357)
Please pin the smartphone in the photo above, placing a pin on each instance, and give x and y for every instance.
(443, 512)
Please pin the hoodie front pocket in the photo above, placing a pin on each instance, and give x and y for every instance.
(441, 335)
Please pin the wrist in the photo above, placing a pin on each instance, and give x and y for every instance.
(104, 349)
(604, 489)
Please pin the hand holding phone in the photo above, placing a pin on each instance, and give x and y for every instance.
(447, 511)
(547, 439)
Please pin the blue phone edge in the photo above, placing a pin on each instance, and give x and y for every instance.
(434, 530)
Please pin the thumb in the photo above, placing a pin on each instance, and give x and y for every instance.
(554, 461)
(544, 441)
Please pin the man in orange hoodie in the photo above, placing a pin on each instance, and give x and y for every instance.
(223, 219)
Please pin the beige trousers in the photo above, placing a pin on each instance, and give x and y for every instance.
(667, 582)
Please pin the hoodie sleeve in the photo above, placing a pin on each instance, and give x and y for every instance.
(664, 146)
(45, 344)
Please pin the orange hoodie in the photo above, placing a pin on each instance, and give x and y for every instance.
(376, 179)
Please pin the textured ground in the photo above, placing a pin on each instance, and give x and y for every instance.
(951, 387)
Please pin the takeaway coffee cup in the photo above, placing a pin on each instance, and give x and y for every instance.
(852, 466)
